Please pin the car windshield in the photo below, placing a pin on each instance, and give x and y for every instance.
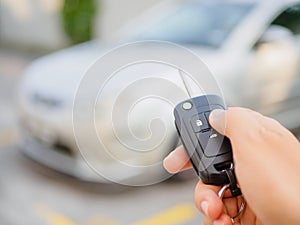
(206, 24)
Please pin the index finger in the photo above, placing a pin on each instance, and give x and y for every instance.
(177, 161)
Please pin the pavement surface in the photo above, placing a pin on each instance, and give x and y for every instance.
(32, 194)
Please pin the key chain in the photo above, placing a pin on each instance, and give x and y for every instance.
(235, 191)
(221, 194)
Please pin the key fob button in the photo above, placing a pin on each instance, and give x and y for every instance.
(203, 138)
(207, 115)
(213, 143)
(199, 123)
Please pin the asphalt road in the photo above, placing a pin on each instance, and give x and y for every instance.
(33, 194)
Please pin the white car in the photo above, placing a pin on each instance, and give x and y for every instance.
(252, 48)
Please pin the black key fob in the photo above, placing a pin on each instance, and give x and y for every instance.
(209, 151)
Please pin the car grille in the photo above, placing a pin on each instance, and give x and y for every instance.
(55, 145)
(47, 101)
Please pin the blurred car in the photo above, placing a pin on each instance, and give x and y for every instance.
(252, 48)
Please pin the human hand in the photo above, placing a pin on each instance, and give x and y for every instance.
(267, 161)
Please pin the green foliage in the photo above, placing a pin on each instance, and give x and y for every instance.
(78, 19)
(290, 19)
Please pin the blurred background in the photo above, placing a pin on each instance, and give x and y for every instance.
(252, 47)
(30, 192)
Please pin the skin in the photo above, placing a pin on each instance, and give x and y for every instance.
(267, 165)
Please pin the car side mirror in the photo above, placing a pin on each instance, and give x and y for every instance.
(276, 54)
(275, 34)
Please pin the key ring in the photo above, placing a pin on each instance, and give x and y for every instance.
(221, 194)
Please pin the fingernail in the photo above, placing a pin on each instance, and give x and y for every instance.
(217, 120)
(204, 207)
(170, 163)
(169, 157)
(218, 222)
(165, 163)
(216, 116)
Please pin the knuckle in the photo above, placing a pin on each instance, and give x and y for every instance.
(201, 191)
(256, 134)
(237, 120)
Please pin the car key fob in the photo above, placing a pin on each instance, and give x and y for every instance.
(210, 152)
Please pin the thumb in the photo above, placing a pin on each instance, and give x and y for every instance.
(217, 120)
(234, 121)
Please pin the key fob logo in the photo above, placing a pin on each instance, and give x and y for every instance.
(199, 123)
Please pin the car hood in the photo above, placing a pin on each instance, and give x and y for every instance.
(59, 74)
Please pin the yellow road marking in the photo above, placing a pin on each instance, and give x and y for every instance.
(179, 214)
(102, 221)
(57, 219)
(54, 218)
(8, 137)
(176, 215)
